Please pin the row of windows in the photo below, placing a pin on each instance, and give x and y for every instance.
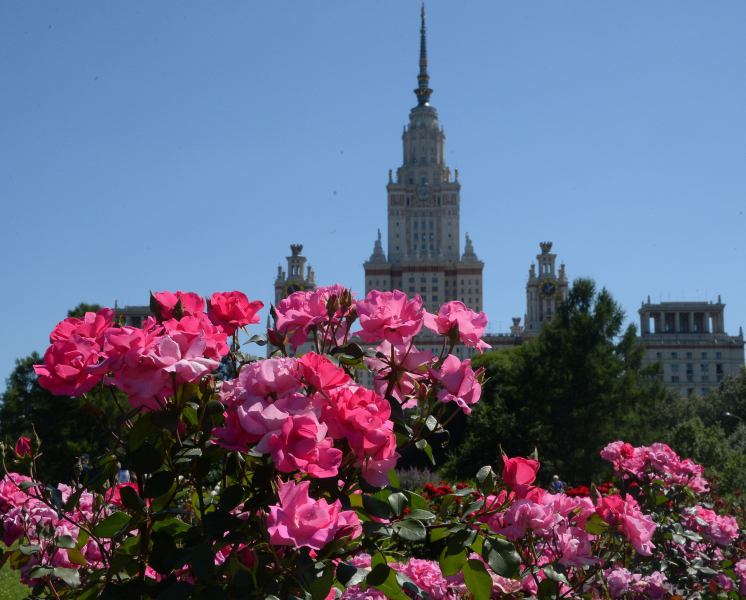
(703, 368)
(690, 378)
(675, 355)
(423, 215)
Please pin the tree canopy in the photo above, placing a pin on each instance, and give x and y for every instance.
(578, 386)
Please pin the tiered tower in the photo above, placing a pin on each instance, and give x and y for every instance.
(544, 291)
(424, 254)
(297, 277)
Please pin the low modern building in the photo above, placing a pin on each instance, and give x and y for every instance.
(689, 339)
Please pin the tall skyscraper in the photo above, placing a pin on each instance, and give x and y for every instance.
(424, 203)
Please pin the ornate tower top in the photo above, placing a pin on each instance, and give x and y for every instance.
(546, 247)
(423, 91)
(296, 249)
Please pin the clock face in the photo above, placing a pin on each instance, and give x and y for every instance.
(423, 191)
(293, 287)
(548, 288)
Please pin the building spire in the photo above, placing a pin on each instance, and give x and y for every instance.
(423, 91)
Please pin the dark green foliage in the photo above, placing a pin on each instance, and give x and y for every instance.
(711, 431)
(81, 309)
(66, 429)
(571, 391)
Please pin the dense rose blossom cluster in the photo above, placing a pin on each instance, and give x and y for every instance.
(657, 461)
(312, 453)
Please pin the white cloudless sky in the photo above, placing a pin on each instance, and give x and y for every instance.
(186, 145)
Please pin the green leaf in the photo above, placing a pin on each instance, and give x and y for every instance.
(24, 485)
(178, 591)
(146, 459)
(321, 585)
(548, 589)
(69, 576)
(231, 497)
(477, 579)
(65, 541)
(445, 504)
(450, 564)
(501, 556)
(410, 530)
(38, 572)
(383, 578)
(111, 525)
(410, 586)
(141, 431)
(596, 525)
(486, 480)
(420, 515)
(394, 478)
(27, 549)
(165, 419)
(398, 503)
(556, 572)
(158, 484)
(76, 557)
(426, 448)
(130, 499)
(377, 508)
(438, 534)
(349, 575)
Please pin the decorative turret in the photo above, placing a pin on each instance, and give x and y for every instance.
(469, 255)
(423, 91)
(378, 256)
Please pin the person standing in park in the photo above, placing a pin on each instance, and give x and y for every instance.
(558, 487)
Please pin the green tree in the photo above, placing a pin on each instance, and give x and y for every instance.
(568, 393)
(66, 426)
(81, 309)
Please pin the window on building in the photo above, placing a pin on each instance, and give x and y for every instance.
(704, 356)
(432, 248)
(435, 298)
(435, 280)
(370, 282)
(674, 379)
(446, 284)
(416, 225)
(424, 298)
(378, 282)
(431, 237)
(659, 355)
(435, 288)
(704, 368)
(431, 223)
(720, 378)
(690, 378)
(674, 367)
(690, 368)
(411, 280)
(689, 391)
(689, 355)
(423, 279)
(462, 282)
(719, 355)
(719, 369)
(674, 355)
(705, 379)
(411, 288)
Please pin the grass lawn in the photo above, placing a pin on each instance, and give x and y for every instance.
(10, 588)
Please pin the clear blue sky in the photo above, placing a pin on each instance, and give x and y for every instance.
(186, 145)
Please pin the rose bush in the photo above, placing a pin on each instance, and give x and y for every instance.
(280, 482)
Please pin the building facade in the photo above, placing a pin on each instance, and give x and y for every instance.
(423, 204)
(689, 339)
(297, 278)
(544, 291)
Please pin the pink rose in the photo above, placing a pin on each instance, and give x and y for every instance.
(460, 382)
(10, 493)
(125, 344)
(524, 515)
(13, 525)
(389, 316)
(232, 310)
(193, 303)
(321, 373)
(637, 528)
(92, 325)
(232, 435)
(425, 574)
(23, 447)
(302, 445)
(189, 328)
(519, 471)
(720, 530)
(411, 361)
(361, 416)
(611, 508)
(64, 371)
(618, 580)
(455, 314)
(575, 546)
(264, 420)
(323, 309)
(277, 376)
(301, 521)
(740, 570)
